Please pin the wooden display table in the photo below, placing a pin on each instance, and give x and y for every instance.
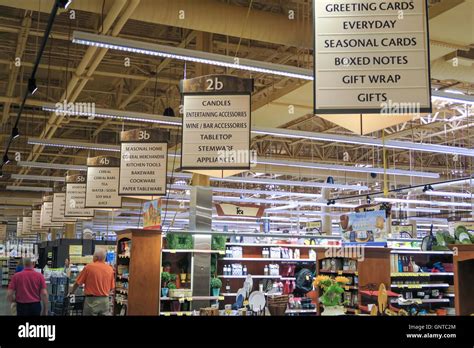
(463, 260)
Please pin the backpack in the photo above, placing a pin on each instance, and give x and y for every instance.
(304, 281)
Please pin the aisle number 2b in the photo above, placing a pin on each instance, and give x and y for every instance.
(214, 84)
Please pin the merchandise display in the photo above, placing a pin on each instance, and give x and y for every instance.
(238, 158)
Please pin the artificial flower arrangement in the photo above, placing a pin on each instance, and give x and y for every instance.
(332, 289)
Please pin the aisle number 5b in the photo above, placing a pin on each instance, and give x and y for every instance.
(214, 84)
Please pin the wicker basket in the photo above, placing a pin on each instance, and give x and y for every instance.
(277, 304)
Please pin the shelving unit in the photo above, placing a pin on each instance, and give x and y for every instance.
(4, 278)
(463, 262)
(251, 257)
(373, 270)
(138, 272)
(437, 286)
(12, 264)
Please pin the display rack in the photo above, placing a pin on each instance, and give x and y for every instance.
(365, 274)
(463, 263)
(254, 259)
(4, 277)
(138, 272)
(12, 264)
(424, 275)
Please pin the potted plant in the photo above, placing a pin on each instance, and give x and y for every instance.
(165, 278)
(216, 285)
(332, 289)
(183, 268)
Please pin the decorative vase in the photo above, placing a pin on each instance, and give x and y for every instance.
(164, 292)
(215, 291)
(333, 310)
(182, 277)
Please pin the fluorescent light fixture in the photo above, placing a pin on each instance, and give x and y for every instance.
(121, 44)
(453, 97)
(416, 210)
(46, 165)
(359, 140)
(449, 194)
(37, 177)
(29, 188)
(414, 201)
(114, 114)
(286, 202)
(73, 144)
(290, 183)
(309, 165)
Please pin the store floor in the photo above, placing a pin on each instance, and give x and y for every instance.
(4, 306)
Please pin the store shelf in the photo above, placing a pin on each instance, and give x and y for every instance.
(301, 311)
(430, 300)
(180, 313)
(234, 294)
(192, 298)
(430, 252)
(275, 245)
(257, 277)
(265, 259)
(122, 291)
(449, 295)
(421, 274)
(196, 251)
(338, 272)
(419, 286)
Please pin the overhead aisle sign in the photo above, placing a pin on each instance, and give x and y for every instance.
(143, 162)
(76, 197)
(103, 182)
(216, 123)
(47, 213)
(3, 230)
(59, 205)
(26, 225)
(371, 56)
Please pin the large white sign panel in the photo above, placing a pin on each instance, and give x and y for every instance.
(213, 126)
(103, 183)
(143, 163)
(26, 225)
(3, 231)
(59, 206)
(371, 56)
(46, 216)
(76, 197)
(19, 228)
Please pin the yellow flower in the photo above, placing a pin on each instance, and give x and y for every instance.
(319, 279)
(342, 280)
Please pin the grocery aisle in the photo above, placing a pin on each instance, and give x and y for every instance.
(4, 306)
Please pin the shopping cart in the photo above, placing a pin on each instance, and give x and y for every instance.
(69, 306)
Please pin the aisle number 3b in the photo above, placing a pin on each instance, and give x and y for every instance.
(143, 135)
(214, 84)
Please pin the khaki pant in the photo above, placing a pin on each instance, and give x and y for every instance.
(96, 306)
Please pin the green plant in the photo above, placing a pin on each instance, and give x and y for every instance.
(165, 277)
(216, 283)
(218, 242)
(172, 277)
(171, 285)
(179, 241)
(332, 289)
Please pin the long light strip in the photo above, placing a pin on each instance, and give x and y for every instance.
(116, 43)
(268, 161)
(449, 194)
(414, 201)
(358, 140)
(290, 183)
(46, 165)
(37, 177)
(73, 145)
(453, 97)
(324, 166)
(287, 202)
(29, 188)
(116, 114)
(415, 210)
